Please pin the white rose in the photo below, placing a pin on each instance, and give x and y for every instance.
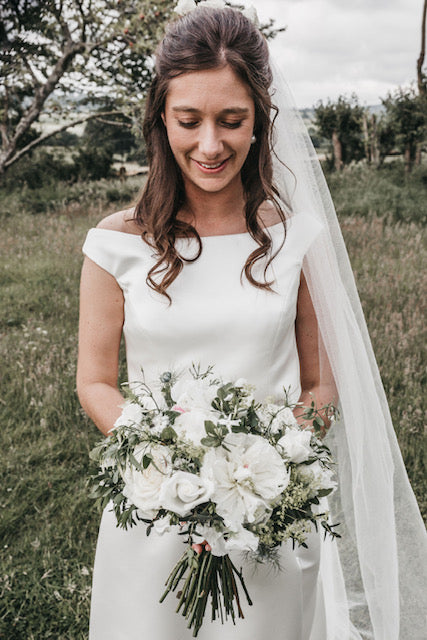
(183, 491)
(296, 443)
(191, 424)
(185, 6)
(321, 476)
(131, 415)
(251, 14)
(193, 394)
(142, 488)
(248, 478)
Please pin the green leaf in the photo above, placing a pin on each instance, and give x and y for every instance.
(169, 434)
(146, 460)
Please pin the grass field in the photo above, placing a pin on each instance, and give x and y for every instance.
(48, 525)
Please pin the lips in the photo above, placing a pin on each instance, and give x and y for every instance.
(211, 167)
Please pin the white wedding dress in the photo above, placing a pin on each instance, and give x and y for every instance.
(216, 317)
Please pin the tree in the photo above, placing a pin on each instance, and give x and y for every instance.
(57, 56)
(406, 114)
(378, 137)
(340, 122)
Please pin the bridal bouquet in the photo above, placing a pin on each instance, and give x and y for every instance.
(226, 472)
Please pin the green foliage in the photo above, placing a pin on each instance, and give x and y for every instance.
(111, 134)
(53, 52)
(407, 118)
(69, 198)
(385, 192)
(93, 162)
(342, 118)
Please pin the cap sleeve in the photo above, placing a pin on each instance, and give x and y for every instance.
(114, 251)
(302, 231)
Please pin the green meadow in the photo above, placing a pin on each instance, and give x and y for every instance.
(48, 525)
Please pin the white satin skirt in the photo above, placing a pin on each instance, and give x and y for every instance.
(130, 573)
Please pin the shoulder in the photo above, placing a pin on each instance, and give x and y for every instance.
(267, 214)
(120, 221)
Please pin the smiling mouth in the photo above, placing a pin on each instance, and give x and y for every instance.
(211, 167)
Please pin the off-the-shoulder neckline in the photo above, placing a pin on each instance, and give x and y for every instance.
(272, 227)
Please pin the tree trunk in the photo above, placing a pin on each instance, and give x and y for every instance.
(418, 153)
(42, 93)
(408, 158)
(422, 88)
(375, 146)
(337, 146)
(367, 146)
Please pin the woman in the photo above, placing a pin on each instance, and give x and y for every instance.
(206, 270)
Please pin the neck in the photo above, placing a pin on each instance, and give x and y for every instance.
(212, 213)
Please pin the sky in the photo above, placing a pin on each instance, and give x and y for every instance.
(335, 47)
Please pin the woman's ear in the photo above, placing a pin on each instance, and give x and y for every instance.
(163, 118)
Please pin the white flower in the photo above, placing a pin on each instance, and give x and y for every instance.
(185, 6)
(276, 417)
(321, 476)
(159, 423)
(248, 477)
(296, 443)
(240, 540)
(212, 4)
(131, 415)
(193, 394)
(191, 425)
(288, 418)
(183, 491)
(142, 488)
(162, 526)
(251, 14)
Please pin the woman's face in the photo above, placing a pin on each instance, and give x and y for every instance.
(209, 117)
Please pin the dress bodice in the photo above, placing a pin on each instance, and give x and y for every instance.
(216, 316)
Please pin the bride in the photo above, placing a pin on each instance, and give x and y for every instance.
(233, 257)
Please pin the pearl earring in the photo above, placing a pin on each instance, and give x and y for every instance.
(253, 139)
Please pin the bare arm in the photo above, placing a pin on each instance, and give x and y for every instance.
(100, 329)
(316, 375)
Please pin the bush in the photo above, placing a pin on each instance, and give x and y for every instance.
(386, 192)
(93, 163)
(37, 169)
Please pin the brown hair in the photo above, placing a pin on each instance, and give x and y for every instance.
(205, 39)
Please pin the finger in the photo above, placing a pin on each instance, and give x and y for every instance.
(198, 548)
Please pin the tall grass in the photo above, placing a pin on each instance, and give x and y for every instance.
(48, 525)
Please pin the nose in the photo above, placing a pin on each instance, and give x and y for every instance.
(210, 142)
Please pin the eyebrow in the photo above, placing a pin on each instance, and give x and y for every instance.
(227, 111)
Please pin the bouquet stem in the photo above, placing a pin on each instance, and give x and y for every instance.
(206, 575)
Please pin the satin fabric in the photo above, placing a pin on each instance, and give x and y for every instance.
(216, 318)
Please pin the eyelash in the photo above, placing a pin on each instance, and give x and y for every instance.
(227, 125)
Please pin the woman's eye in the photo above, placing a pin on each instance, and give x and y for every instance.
(187, 125)
(232, 125)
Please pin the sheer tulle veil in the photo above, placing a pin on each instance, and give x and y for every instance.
(374, 578)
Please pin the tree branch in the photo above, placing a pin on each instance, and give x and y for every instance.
(115, 123)
(70, 51)
(46, 136)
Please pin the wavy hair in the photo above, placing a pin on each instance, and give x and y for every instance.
(205, 39)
